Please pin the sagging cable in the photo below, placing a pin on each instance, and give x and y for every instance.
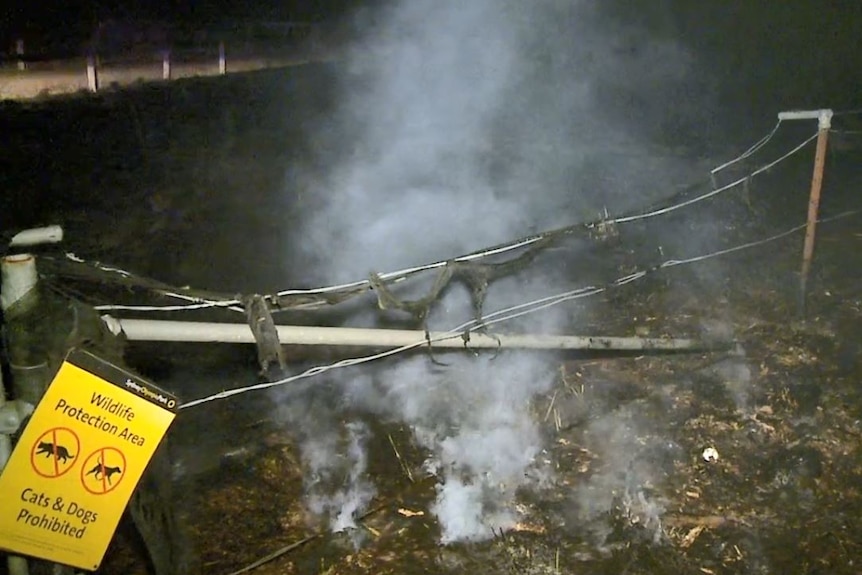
(505, 315)
(759, 144)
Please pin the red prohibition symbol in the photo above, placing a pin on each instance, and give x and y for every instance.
(103, 470)
(55, 452)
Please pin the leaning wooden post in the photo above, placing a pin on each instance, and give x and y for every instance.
(824, 119)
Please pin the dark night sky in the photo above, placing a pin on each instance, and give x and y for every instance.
(76, 18)
(801, 41)
(725, 22)
(45, 14)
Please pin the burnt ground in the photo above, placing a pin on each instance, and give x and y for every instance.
(157, 194)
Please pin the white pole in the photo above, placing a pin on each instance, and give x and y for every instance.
(92, 73)
(222, 62)
(19, 50)
(33, 236)
(166, 65)
(202, 332)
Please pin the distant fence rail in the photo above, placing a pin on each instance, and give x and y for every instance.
(117, 37)
(106, 61)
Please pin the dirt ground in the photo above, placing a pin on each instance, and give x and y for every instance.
(735, 462)
(780, 494)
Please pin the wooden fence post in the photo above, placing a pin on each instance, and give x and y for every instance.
(824, 121)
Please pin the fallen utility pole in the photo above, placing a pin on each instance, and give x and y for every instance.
(207, 332)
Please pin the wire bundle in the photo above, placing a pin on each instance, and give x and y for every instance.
(327, 295)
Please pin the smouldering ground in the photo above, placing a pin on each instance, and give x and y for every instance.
(630, 491)
(154, 179)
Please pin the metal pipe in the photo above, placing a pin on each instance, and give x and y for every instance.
(202, 332)
(801, 114)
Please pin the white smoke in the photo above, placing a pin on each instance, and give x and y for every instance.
(462, 125)
(336, 483)
(475, 420)
(426, 91)
(633, 461)
(465, 124)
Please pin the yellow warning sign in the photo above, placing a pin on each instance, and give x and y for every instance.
(78, 461)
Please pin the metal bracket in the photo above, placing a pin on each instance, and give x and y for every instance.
(265, 333)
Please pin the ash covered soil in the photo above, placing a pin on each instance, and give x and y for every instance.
(187, 184)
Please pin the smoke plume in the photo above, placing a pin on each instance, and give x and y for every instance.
(336, 484)
(474, 420)
(461, 125)
(635, 460)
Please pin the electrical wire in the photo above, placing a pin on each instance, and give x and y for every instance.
(757, 145)
(533, 239)
(198, 302)
(414, 270)
(400, 275)
(505, 314)
(98, 265)
(717, 191)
